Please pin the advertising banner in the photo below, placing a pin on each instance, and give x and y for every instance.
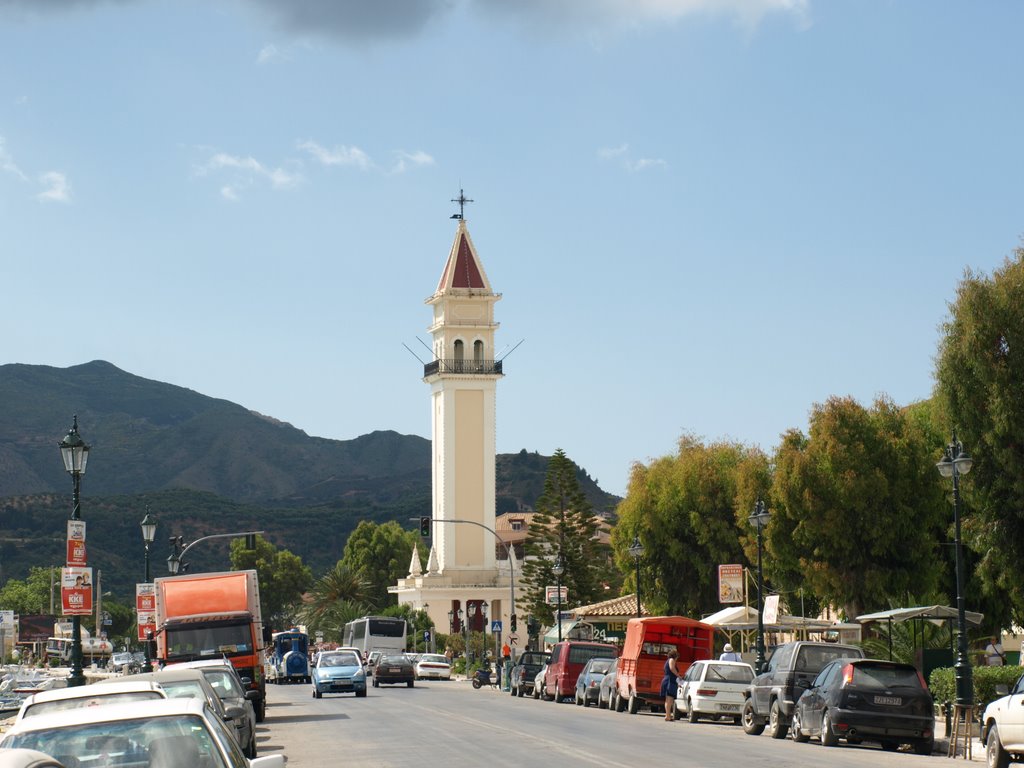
(145, 608)
(76, 543)
(771, 609)
(76, 591)
(730, 583)
(551, 594)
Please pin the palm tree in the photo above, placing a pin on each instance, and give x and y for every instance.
(339, 596)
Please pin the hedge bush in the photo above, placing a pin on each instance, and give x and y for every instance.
(943, 684)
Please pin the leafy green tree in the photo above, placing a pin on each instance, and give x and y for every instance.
(337, 597)
(380, 554)
(857, 514)
(563, 523)
(684, 510)
(32, 594)
(283, 579)
(980, 375)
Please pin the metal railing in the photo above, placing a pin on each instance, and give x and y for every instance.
(446, 365)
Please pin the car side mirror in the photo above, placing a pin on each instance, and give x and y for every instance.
(246, 682)
(803, 683)
(1002, 689)
(234, 712)
(252, 695)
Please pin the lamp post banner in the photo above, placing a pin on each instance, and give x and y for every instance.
(76, 591)
(551, 594)
(730, 583)
(771, 609)
(76, 543)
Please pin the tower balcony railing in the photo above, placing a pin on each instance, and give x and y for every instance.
(451, 365)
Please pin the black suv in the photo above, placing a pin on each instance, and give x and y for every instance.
(525, 670)
(791, 669)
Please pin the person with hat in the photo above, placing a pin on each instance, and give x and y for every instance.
(728, 654)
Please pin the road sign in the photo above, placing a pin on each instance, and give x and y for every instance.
(513, 639)
(495, 627)
(426, 635)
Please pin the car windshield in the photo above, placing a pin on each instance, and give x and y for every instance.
(338, 660)
(224, 683)
(159, 742)
(885, 676)
(184, 689)
(729, 673)
(119, 697)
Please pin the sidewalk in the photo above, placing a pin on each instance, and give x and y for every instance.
(942, 743)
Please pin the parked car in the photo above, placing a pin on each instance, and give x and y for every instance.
(339, 672)
(97, 694)
(123, 662)
(224, 679)
(525, 670)
(1002, 728)
(791, 669)
(538, 680)
(433, 666)
(641, 666)
(393, 669)
(159, 734)
(567, 661)
(867, 700)
(589, 682)
(713, 689)
(192, 684)
(606, 690)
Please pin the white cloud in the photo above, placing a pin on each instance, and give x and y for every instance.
(58, 190)
(624, 158)
(7, 164)
(403, 160)
(246, 172)
(267, 53)
(340, 155)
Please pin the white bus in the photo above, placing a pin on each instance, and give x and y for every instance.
(375, 633)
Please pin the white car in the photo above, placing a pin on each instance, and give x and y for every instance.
(169, 733)
(713, 689)
(433, 666)
(95, 695)
(1002, 728)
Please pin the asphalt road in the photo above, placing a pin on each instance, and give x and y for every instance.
(450, 724)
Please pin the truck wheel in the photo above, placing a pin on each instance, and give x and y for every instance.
(752, 724)
(995, 755)
(634, 705)
(619, 703)
(777, 725)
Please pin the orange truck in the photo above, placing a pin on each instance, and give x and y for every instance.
(641, 665)
(214, 616)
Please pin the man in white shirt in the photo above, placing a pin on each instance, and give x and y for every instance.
(994, 656)
(728, 654)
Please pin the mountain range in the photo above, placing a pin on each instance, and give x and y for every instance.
(203, 466)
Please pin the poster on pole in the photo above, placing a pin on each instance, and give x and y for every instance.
(730, 583)
(76, 543)
(551, 594)
(76, 591)
(145, 608)
(771, 609)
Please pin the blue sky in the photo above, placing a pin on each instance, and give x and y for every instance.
(704, 216)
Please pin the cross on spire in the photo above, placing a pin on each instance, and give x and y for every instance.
(461, 200)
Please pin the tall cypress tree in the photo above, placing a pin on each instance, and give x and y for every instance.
(564, 524)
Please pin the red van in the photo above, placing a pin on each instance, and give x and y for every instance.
(567, 661)
(641, 666)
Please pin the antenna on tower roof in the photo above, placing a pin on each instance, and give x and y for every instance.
(461, 200)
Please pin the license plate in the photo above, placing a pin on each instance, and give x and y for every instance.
(396, 670)
(892, 701)
(728, 707)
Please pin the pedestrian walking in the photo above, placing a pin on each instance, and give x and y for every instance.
(669, 686)
(728, 654)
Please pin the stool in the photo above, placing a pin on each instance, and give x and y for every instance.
(963, 722)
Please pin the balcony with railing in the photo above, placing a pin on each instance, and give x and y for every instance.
(471, 367)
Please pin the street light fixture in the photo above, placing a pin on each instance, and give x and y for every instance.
(760, 519)
(636, 549)
(558, 569)
(75, 454)
(148, 526)
(954, 463)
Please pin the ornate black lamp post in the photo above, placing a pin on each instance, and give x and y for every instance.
(75, 453)
(148, 525)
(636, 549)
(558, 569)
(760, 519)
(954, 463)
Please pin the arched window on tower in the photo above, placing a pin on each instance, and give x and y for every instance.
(478, 351)
(460, 353)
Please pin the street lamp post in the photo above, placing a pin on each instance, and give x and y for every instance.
(954, 463)
(636, 549)
(759, 519)
(558, 569)
(148, 525)
(75, 454)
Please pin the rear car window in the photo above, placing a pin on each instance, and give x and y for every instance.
(885, 676)
(813, 658)
(581, 654)
(729, 674)
(601, 667)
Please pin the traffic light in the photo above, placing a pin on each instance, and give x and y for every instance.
(512, 622)
(425, 527)
(250, 541)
